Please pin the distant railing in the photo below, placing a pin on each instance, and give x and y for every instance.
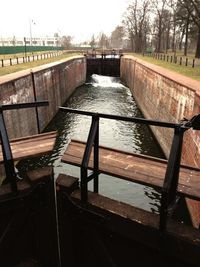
(28, 58)
(112, 53)
(179, 60)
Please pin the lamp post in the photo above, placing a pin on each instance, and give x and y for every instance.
(25, 47)
(30, 28)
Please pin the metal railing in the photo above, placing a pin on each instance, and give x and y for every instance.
(169, 189)
(11, 175)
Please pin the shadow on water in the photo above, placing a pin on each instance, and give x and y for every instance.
(104, 95)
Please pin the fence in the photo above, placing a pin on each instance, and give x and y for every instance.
(29, 58)
(179, 60)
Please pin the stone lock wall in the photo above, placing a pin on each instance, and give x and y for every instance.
(54, 82)
(166, 96)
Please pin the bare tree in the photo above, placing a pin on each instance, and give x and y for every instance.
(117, 37)
(193, 9)
(93, 41)
(184, 21)
(159, 8)
(136, 24)
(66, 42)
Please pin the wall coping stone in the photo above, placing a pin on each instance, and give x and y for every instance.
(174, 76)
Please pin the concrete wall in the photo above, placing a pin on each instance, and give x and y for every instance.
(166, 96)
(54, 82)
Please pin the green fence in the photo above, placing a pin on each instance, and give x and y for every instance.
(21, 49)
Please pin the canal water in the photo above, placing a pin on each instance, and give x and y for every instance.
(104, 95)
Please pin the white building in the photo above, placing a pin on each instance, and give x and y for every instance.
(35, 41)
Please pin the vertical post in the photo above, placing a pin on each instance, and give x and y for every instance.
(25, 47)
(2, 63)
(10, 61)
(96, 158)
(7, 155)
(171, 177)
(193, 61)
(84, 185)
(35, 99)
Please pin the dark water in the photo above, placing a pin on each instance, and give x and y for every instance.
(104, 95)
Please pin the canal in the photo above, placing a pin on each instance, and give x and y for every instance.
(104, 95)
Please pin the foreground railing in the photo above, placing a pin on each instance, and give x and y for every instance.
(169, 189)
(11, 175)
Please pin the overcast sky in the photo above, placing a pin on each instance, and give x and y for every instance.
(78, 18)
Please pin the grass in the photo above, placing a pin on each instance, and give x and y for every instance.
(29, 65)
(188, 71)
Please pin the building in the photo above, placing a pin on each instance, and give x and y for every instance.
(34, 41)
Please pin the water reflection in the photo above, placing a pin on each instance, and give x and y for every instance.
(104, 95)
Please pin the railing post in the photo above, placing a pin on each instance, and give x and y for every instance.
(96, 157)
(92, 143)
(35, 99)
(170, 184)
(7, 155)
(84, 185)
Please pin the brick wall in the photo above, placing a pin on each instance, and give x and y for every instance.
(54, 82)
(166, 96)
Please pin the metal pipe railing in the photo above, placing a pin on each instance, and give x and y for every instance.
(169, 189)
(11, 175)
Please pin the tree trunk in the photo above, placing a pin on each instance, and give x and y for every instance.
(186, 35)
(173, 38)
(159, 37)
(197, 54)
(132, 42)
(181, 39)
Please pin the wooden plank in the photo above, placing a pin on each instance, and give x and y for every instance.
(31, 146)
(136, 168)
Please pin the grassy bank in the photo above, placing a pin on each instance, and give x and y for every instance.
(193, 73)
(29, 65)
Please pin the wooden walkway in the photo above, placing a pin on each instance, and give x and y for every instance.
(135, 168)
(31, 146)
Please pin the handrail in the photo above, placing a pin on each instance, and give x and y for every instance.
(122, 118)
(93, 139)
(169, 189)
(11, 175)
